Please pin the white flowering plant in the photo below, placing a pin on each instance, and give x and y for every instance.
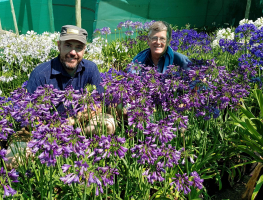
(20, 54)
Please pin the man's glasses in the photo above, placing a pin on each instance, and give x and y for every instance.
(155, 39)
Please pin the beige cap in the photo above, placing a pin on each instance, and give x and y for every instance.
(70, 32)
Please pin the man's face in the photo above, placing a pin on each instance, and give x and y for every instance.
(71, 53)
(158, 43)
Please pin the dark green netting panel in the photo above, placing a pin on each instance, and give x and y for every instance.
(35, 14)
(30, 15)
(64, 13)
(198, 13)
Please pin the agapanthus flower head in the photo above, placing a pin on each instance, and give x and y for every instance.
(136, 25)
(120, 25)
(92, 179)
(5, 129)
(229, 45)
(163, 131)
(256, 38)
(197, 181)
(70, 178)
(245, 30)
(190, 39)
(24, 84)
(8, 191)
(147, 25)
(2, 154)
(65, 167)
(12, 175)
(146, 151)
(127, 23)
(182, 183)
(97, 31)
(107, 174)
(129, 32)
(105, 31)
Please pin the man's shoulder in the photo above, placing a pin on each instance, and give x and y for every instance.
(181, 59)
(88, 63)
(141, 56)
(43, 68)
(89, 66)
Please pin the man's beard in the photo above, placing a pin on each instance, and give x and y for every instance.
(67, 67)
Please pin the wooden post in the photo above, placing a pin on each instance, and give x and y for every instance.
(51, 16)
(247, 9)
(78, 12)
(14, 16)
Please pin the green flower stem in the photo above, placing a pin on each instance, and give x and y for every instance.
(205, 139)
(50, 184)
(41, 180)
(8, 179)
(106, 192)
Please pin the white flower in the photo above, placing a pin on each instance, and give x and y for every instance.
(215, 43)
(1, 92)
(259, 23)
(3, 78)
(223, 34)
(17, 49)
(245, 21)
(98, 62)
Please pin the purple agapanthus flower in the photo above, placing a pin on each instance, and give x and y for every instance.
(136, 25)
(24, 84)
(105, 31)
(13, 175)
(120, 25)
(182, 183)
(127, 23)
(197, 181)
(129, 32)
(156, 175)
(245, 30)
(2, 154)
(97, 31)
(8, 191)
(107, 174)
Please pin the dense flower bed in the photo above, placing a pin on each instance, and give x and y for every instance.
(176, 132)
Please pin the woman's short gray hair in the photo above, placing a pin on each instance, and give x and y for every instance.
(161, 26)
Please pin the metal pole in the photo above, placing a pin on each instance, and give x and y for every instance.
(14, 16)
(78, 12)
(51, 16)
(247, 9)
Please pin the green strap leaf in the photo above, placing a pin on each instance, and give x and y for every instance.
(247, 112)
(257, 188)
(254, 131)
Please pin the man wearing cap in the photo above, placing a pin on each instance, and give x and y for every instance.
(69, 68)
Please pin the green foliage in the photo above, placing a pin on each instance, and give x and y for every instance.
(250, 128)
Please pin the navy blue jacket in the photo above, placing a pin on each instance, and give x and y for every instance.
(52, 72)
(170, 57)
